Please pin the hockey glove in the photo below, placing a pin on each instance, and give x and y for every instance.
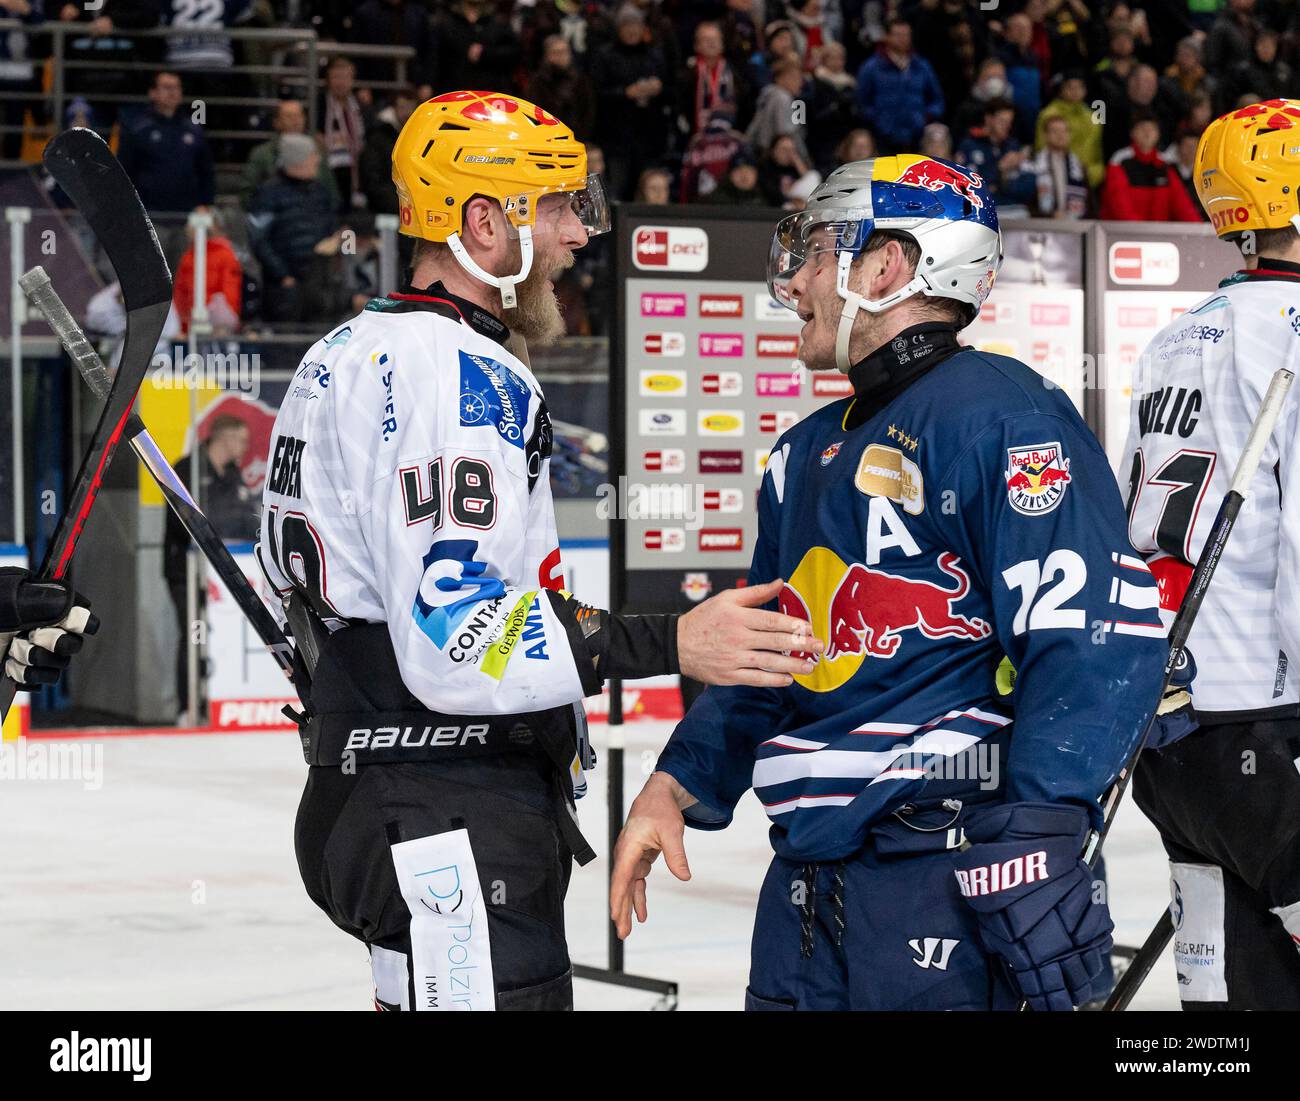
(42, 624)
(1175, 717)
(1033, 895)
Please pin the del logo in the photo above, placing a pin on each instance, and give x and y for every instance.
(887, 472)
(723, 500)
(861, 612)
(1036, 478)
(654, 383)
(777, 422)
(696, 586)
(722, 539)
(722, 423)
(669, 460)
(664, 344)
(725, 384)
(1153, 263)
(670, 248)
(669, 540)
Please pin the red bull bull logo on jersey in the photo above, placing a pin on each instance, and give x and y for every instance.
(936, 176)
(861, 611)
(1037, 477)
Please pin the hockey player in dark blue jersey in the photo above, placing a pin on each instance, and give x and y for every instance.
(955, 513)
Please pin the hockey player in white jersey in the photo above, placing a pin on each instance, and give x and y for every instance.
(1220, 776)
(409, 527)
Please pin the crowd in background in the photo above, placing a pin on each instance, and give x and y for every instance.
(1067, 109)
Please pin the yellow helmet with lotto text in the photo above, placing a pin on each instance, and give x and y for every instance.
(460, 145)
(1248, 168)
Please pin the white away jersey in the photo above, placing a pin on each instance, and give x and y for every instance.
(1196, 391)
(409, 485)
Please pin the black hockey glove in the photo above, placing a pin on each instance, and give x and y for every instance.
(42, 625)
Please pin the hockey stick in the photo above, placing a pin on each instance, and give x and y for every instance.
(1247, 465)
(91, 176)
(41, 293)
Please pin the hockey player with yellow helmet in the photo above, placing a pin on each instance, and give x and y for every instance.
(409, 529)
(1219, 778)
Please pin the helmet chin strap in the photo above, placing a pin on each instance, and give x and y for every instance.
(505, 283)
(853, 302)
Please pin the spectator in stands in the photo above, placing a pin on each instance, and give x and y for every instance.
(343, 128)
(898, 92)
(1141, 186)
(289, 216)
(833, 105)
(775, 114)
(396, 23)
(1024, 74)
(936, 141)
(631, 81)
(1232, 36)
(1070, 104)
(290, 118)
(856, 145)
(1062, 178)
(562, 88)
(1264, 75)
(476, 48)
(1182, 155)
(1143, 96)
(783, 169)
(995, 153)
(1187, 76)
(814, 24)
(778, 40)
(1112, 72)
(654, 187)
(990, 83)
(375, 168)
(17, 72)
(228, 503)
(708, 82)
(708, 155)
(103, 53)
(168, 160)
(583, 26)
(1071, 28)
(740, 188)
(224, 276)
(954, 40)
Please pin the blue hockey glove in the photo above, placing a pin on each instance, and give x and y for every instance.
(1034, 896)
(1175, 717)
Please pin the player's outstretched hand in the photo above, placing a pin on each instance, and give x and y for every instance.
(731, 639)
(654, 825)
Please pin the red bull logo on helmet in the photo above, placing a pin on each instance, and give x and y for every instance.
(936, 175)
(1036, 477)
(864, 612)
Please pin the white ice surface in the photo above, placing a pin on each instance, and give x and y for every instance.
(174, 886)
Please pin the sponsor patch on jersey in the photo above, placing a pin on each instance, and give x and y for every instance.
(493, 396)
(499, 653)
(449, 566)
(1037, 477)
(887, 472)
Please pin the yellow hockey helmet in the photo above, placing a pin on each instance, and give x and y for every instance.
(1248, 168)
(460, 145)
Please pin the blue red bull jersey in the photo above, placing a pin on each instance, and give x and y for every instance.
(955, 512)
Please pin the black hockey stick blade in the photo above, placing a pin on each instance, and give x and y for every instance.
(82, 164)
(41, 293)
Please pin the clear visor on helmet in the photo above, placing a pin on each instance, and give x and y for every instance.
(550, 209)
(816, 237)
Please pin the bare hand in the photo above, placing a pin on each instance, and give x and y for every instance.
(730, 639)
(654, 825)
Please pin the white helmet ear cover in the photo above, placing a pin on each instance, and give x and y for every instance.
(505, 283)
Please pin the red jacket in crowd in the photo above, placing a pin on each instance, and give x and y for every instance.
(1144, 187)
(225, 276)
